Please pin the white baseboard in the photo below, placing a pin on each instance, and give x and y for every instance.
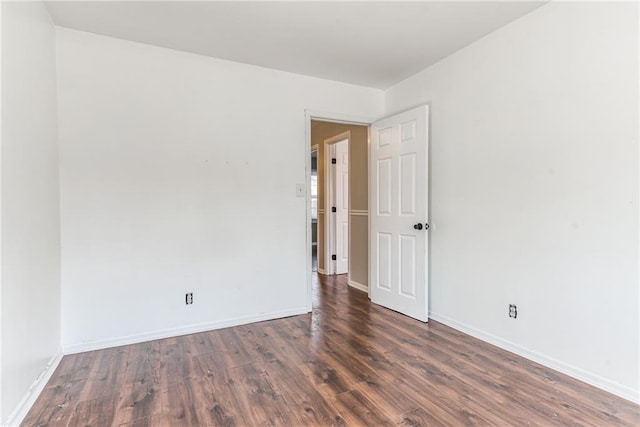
(588, 377)
(358, 286)
(21, 411)
(183, 330)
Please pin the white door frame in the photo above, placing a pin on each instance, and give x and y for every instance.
(329, 220)
(315, 148)
(325, 117)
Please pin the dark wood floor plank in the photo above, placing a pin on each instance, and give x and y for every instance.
(222, 390)
(136, 402)
(106, 376)
(261, 399)
(180, 405)
(420, 418)
(303, 399)
(143, 364)
(349, 362)
(73, 368)
(154, 421)
(95, 412)
(358, 410)
(140, 398)
(200, 343)
(234, 350)
(55, 404)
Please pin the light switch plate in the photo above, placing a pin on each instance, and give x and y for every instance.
(300, 190)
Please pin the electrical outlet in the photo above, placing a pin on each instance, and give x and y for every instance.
(513, 311)
(188, 298)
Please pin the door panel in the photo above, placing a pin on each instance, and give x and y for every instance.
(385, 137)
(383, 252)
(399, 183)
(407, 264)
(383, 187)
(408, 184)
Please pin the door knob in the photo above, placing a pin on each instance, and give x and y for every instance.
(417, 226)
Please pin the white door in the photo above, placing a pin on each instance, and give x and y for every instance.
(398, 179)
(342, 206)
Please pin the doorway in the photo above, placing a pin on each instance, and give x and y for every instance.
(402, 198)
(356, 226)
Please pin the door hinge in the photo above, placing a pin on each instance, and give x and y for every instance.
(334, 161)
(333, 258)
(333, 209)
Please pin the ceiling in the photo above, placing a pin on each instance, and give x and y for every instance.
(375, 44)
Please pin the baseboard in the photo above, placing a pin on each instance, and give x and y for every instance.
(358, 286)
(173, 332)
(321, 271)
(21, 411)
(595, 380)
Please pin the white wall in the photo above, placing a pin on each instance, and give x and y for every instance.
(30, 223)
(534, 188)
(178, 175)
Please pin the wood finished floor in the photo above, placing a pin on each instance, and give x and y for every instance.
(347, 363)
